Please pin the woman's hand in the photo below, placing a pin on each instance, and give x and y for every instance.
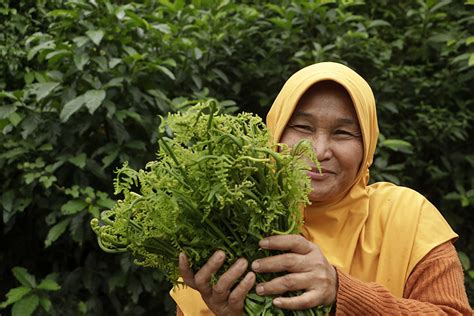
(222, 298)
(307, 268)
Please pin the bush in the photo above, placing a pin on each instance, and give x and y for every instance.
(83, 84)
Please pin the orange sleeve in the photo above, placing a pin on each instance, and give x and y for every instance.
(436, 286)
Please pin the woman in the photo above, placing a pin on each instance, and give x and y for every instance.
(367, 249)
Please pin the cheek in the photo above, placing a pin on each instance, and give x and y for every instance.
(288, 138)
(351, 157)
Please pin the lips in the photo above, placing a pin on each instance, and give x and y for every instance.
(314, 174)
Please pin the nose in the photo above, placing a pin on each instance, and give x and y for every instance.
(322, 146)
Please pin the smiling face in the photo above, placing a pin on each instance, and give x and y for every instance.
(326, 116)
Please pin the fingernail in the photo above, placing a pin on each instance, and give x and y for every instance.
(276, 302)
(264, 243)
(249, 276)
(241, 263)
(259, 289)
(255, 265)
(219, 255)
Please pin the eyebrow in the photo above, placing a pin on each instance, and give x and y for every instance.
(339, 121)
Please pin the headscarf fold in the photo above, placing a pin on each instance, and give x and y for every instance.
(376, 233)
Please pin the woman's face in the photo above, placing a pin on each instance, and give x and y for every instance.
(326, 116)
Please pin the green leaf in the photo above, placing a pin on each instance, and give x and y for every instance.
(107, 160)
(221, 75)
(471, 60)
(46, 45)
(6, 110)
(106, 203)
(166, 71)
(80, 60)
(465, 262)
(163, 28)
(57, 55)
(79, 160)
(80, 40)
(42, 90)
(56, 231)
(26, 306)
(114, 62)
(82, 307)
(15, 118)
(71, 107)
(8, 95)
(95, 36)
(397, 145)
(45, 303)
(15, 295)
(93, 99)
(22, 275)
(48, 284)
(376, 23)
(197, 53)
(73, 206)
(440, 4)
(6, 200)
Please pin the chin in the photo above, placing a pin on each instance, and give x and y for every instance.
(320, 196)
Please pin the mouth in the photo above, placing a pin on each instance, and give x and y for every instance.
(314, 174)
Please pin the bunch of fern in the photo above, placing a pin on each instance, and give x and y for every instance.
(217, 183)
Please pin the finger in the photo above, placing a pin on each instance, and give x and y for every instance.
(202, 278)
(303, 301)
(222, 288)
(290, 262)
(293, 243)
(286, 283)
(237, 297)
(186, 272)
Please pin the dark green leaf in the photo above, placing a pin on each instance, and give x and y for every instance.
(73, 206)
(45, 303)
(465, 262)
(48, 284)
(79, 160)
(15, 295)
(26, 306)
(93, 99)
(42, 90)
(71, 107)
(398, 145)
(22, 275)
(95, 36)
(81, 59)
(167, 72)
(56, 231)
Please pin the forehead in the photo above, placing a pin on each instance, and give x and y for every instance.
(326, 98)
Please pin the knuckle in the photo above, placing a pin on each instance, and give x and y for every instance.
(200, 281)
(292, 263)
(235, 301)
(300, 239)
(219, 290)
(289, 283)
(307, 302)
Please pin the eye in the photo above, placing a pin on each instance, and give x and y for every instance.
(302, 127)
(343, 132)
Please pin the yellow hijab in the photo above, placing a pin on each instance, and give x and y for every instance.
(376, 233)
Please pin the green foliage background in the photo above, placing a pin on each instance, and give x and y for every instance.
(82, 84)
